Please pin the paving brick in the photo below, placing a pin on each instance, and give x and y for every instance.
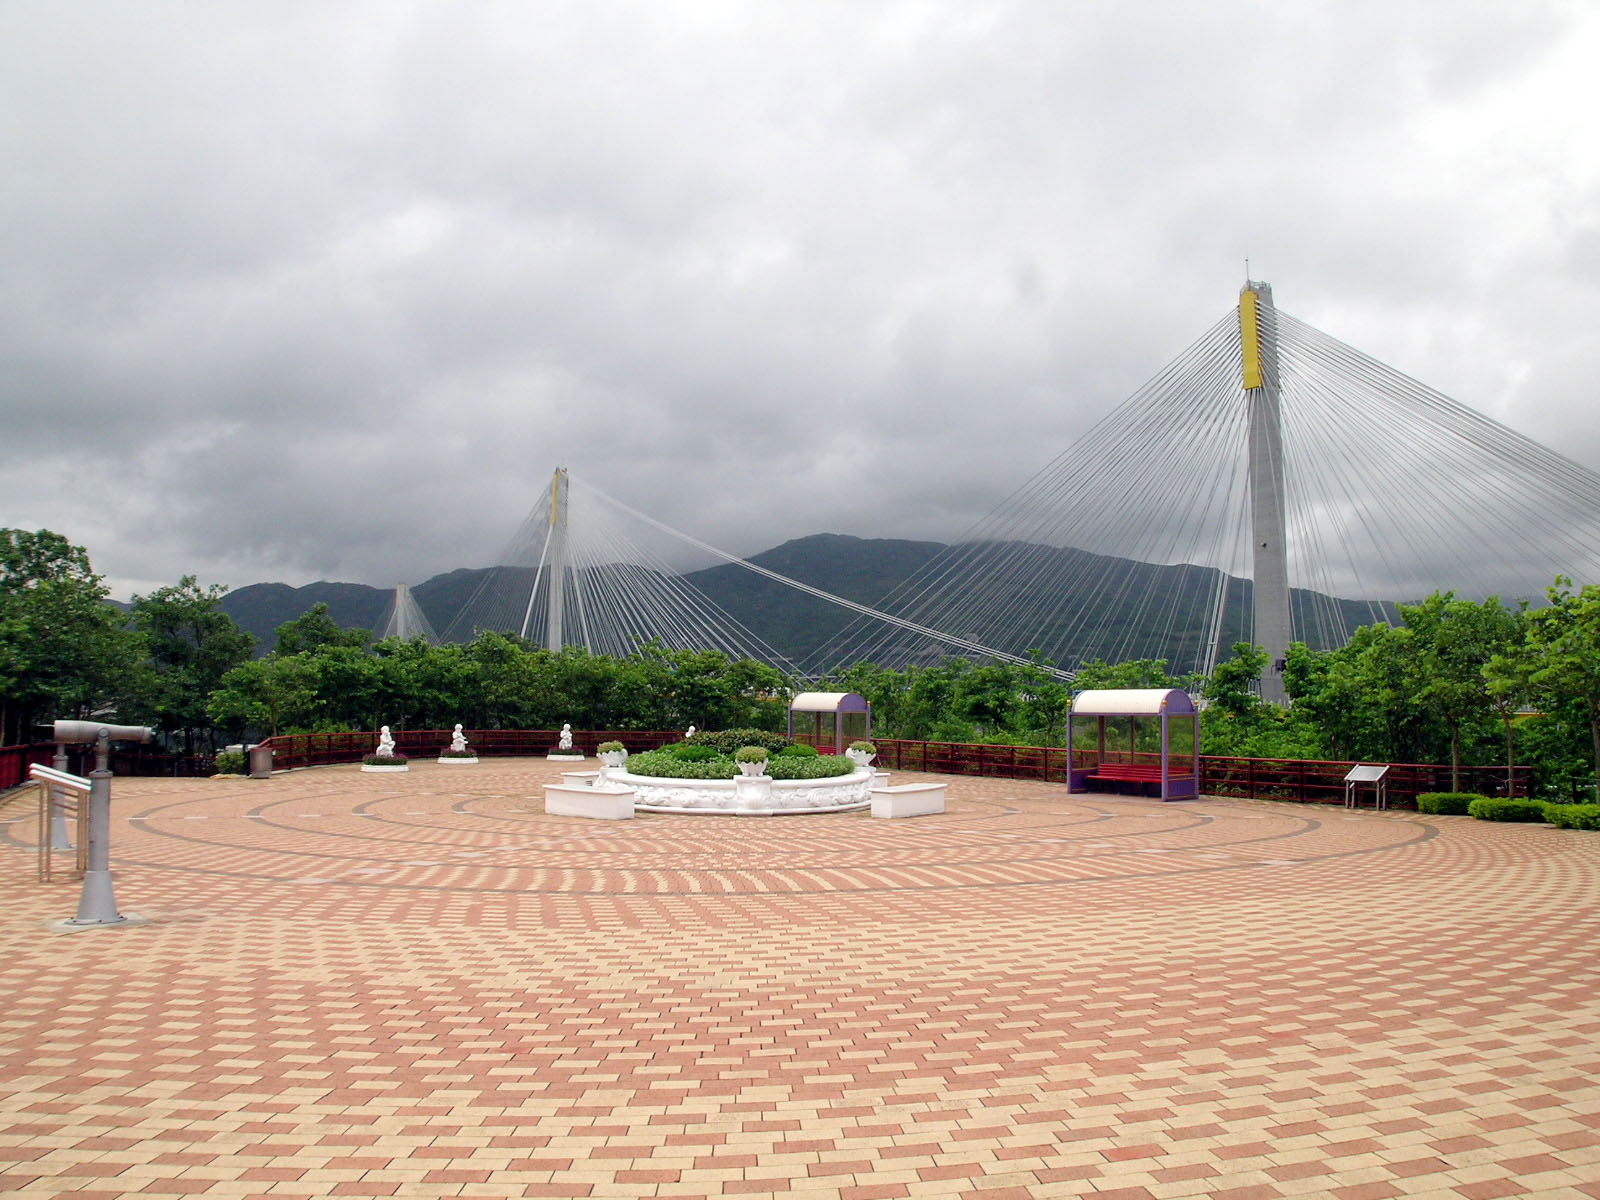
(423, 985)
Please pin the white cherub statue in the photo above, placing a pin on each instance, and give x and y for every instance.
(458, 741)
(690, 734)
(385, 743)
(566, 738)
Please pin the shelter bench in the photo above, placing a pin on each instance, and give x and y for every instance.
(1144, 775)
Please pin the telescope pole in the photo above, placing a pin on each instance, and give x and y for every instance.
(97, 905)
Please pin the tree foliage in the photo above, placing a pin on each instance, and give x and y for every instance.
(64, 650)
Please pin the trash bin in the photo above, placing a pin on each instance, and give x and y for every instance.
(260, 762)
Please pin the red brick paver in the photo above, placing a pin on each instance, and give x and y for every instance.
(421, 985)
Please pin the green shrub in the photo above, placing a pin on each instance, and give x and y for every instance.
(818, 766)
(658, 764)
(385, 760)
(661, 764)
(230, 762)
(1455, 804)
(691, 752)
(798, 750)
(751, 754)
(609, 747)
(1487, 808)
(726, 741)
(1573, 816)
(867, 746)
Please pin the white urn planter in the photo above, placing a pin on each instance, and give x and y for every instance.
(614, 758)
(861, 758)
(753, 768)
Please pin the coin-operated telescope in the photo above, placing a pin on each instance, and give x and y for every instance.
(98, 905)
(78, 733)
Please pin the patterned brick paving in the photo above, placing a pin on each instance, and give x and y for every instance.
(421, 985)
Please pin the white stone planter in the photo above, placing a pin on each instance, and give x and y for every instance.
(861, 758)
(386, 769)
(749, 796)
(753, 768)
(446, 761)
(614, 758)
(597, 804)
(558, 756)
(908, 800)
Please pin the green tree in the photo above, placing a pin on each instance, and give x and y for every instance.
(1508, 681)
(1451, 643)
(276, 695)
(1565, 637)
(65, 651)
(315, 629)
(190, 645)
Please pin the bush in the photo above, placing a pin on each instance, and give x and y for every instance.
(230, 762)
(1454, 804)
(817, 766)
(798, 750)
(751, 754)
(449, 753)
(1573, 816)
(609, 747)
(867, 746)
(726, 741)
(1487, 808)
(385, 760)
(690, 752)
(658, 764)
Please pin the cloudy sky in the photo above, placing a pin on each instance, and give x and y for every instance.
(308, 290)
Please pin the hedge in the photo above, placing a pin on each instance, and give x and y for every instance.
(1487, 808)
(1453, 804)
(1573, 816)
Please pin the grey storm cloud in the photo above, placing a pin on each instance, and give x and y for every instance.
(298, 290)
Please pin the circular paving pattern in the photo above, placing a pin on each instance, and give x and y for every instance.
(422, 984)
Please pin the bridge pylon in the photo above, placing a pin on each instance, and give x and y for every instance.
(1258, 335)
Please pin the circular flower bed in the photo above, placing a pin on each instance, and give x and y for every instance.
(700, 776)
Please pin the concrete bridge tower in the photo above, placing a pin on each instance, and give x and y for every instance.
(1258, 336)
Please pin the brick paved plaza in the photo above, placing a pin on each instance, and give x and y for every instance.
(421, 985)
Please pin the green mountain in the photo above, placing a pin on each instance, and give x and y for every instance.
(1098, 607)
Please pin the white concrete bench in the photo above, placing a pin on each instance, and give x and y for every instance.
(908, 800)
(565, 800)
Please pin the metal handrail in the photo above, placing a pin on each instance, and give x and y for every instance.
(61, 796)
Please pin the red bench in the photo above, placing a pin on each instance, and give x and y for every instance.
(1129, 772)
(1146, 776)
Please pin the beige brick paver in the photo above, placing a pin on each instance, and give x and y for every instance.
(421, 985)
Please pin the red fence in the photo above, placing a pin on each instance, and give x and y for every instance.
(1305, 781)
(141, 760)
(14, 762)
(1311, 782)
(1255, 778)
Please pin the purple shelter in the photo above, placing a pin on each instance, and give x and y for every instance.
(1140, 740)
(830, 721)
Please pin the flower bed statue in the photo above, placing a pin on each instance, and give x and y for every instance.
(385, 757)
(458, 752)
(564, 751)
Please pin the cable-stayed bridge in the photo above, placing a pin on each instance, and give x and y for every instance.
(1270, 484)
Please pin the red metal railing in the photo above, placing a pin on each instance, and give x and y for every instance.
(1305, 781)
(15, 760)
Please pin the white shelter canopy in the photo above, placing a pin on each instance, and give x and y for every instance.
(1132, 702)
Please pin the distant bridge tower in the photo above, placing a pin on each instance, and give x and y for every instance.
(405, 618)
(553, 631)
(1258, 335)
